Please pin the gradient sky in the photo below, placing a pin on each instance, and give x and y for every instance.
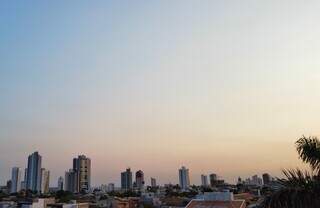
(218, 86)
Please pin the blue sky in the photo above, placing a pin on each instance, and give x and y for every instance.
(158, 84)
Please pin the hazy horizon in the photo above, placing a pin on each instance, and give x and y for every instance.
(218, 86)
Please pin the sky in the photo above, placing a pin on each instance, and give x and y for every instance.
(222, 87)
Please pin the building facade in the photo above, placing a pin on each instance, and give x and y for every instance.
(110, 187)
(256, 180)
(34, 172)
(126, 180)
(82, 166)
(153, 182)
(204, 180)
(24, 182)
(60, 183)
(184, 180)
(213, 179)
(15, 180)
(266, 178)
(45, 178)
(71, 181)
(140, 179)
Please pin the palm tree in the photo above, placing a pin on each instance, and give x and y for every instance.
(299, 189)
(309, 152)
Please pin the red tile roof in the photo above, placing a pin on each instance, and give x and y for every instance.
(216, 204)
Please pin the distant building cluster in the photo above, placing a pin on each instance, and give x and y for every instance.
(212, 181)
(37, 179)
(78, 178)
(133, 191)
(257, 181)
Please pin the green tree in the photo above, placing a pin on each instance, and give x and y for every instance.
(299, 189)
(64, 196)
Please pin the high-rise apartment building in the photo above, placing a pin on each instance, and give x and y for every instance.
(15, 180)
(24, 182)
(110, 187)
(153, 182)
(71, 181)
(239, 181)
(204, 180)
(256, 180)
(45, 178)
(126, 179)
(266, 178)
(82, 165)
(60, 183)
(184, 180)
(140, 179)
(23, 185)
(8, 186)
(25, 175)
(34, 172)
(213, 179)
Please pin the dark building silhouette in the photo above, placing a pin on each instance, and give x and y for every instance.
(126, 179)
(266, 178)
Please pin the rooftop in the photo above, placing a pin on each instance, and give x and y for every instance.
(216, 204)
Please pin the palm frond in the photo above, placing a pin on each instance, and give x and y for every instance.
(299, 189)
(309, 151)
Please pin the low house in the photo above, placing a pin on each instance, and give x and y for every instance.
(216, 200)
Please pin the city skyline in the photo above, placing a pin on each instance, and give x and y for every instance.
(154, 85)
(78, 178)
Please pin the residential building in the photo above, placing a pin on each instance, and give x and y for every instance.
(15, 180)
(23, 185)
(126, 179)
(216, 199)
(38, 203)
(184, 180)
(213, 179)
(153, 182)
(256, 180)
(25, 175)
(70, 205)
(110, 187)
(130, 202)
(24, 182)
(8, 204)
(45, 178)
(60, 183)
(71, 181)
(140, 179)
(204, 180)
(34, 172)
(82, 166)
(8, 186)
(266, 178)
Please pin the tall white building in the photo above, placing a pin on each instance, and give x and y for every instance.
(184, 179)
(45, 178)
(15, 180)
(204, 180)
